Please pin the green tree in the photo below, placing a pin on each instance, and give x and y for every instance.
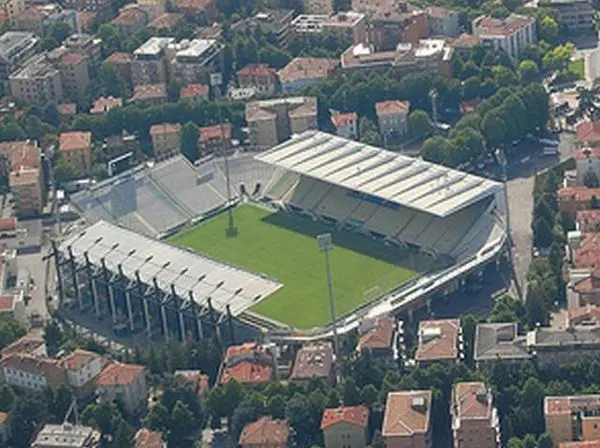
(558, 58)
(189, 141)
(52, 337)
(276, 407)
(7, 398)
(542, 233)
(590, 179)
(494, 128)
(368, 395)
(503, 76)
(10, 331)
(368, 132)
(351, 393)
(64, 171)
(158, 418)
(34, 128)
(544, 441)
(60, 31)
(435, 149)
(528, 70)
(548, 30)
(419, 124)
(181, 424)
(50, 114)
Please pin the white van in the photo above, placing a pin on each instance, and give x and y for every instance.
(549, 142)
(550, 150)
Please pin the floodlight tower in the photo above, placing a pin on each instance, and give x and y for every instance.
(326, 245)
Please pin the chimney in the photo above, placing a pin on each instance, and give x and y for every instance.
(419, 404)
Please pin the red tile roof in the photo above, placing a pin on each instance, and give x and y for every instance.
(307, 68)
(561, 405)
(67, 109)
(50, 368)
(25, 344)
(195, 5)
(72, 58)
(257, 70)
(392, 107)
(119, 57)
(313, 361)
(103, 105)
(3, 417)
(438, 339)
(407, 413)
(588, 220)
(145, 438)
(194, 90)
(22, 154)
(247, 372)
(149, 92)
(222, 131)
(74, 141)
(586, 315)
(503, 27)
(588, 132)
(6, 303)
(165, 128)
(585, 444)
(266, 432)
(343, 119)
(377, 333)
(78, 359)
(578, 193)
(195, 378)
(355, 415)
(130, 16)
(120, 374)
(8, 224)
(587, 255)
(472, 401)
(438, 12)
(166, 20)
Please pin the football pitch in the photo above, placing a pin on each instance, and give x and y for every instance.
(283, 246)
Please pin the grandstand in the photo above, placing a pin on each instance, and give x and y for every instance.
(386, 195)
(157, 199)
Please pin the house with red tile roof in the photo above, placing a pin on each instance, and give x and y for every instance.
(202, 10)
(475, 420)
(561, 411)
(379, 338)
(76, 149)
(314, 361)
(195, 379)
(83, 367)
(588, 221)
(13, 306)
(512, 34)
(260, 77)
(150, 94)
(265, 433)
(392, 116)
(586, 287)
(195, 91)
(125, 382)
(407, 419)
(32, 372)
(167, 21)
(345, 426)
(439, 341)
(588, 133)
(247, 364)
(302, 72)
(214, 139)
(166, 140)
(28, 345)
(103, 104)
(573, 199)
(4, 427)
(131, 19)
(145, 438)
(346, 124)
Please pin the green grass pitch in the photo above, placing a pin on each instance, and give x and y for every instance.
(283, 246)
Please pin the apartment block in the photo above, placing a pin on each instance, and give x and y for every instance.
(104, 9)
(166, 22)
(39, 81)
(40, 19)
(512, 34)
(575, 417)
(499, 341)
(314, 361)
(380, 338)
(214, 139)
(260, 77)
(586, 160)
(392, 117)
(122, 64)
(346, 124)
(76, 149)
(15, 48)
(266, 433)
(407, 419)
(87, 45)
(125, 382)
(573, 199)
(131, 19)
(348, 25)
(13, 7)
(274, 23)
(345, 427)
(153, 94)
(32, 372)
(247, 364)
(149, 64)
(439, 341)
(75, 75)
(82, 367)
(273, 121)
(302, 72)
(28, 345)
(475, 420)
(317, 6)
(577, 15)
(13, 306)
(390, 24)
(166, 140)
(27, 187)
(193, 61)
(66, 435)
(442, 22)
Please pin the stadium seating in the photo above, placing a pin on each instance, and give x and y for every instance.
(281, 187)
(337, 205)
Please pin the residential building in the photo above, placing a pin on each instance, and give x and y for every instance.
(247, 364)
(125, 383)
(273, 121)
(76, 149)
(66, 435)
(82, 367)
(13, 7)
(28, 345)
(39, 19)
(302, 72)
(392, 117)
(573, 199)
(122, 64)
(86, 21)
(67, 110)
(21, 154)
(584, 251)
(203, 11)
(104, 9)
(166, 140)
(574, 417)
(402, 22)
(32, 372)
(512, 34)
(195, 92)
(499, 341)
(75, 75)
(167, 22)
(314, 361)
(442, 22)
(28, 190)
(144, 438)
(274, 23)
(39, 81)
(102, 105)
(586, 159)
(346, 124)
(5, 432)
(588, 221)
(588, 133)
(86, 45)
(260, 77)
(379, 337)
(15, 48)
(149, 61)
(317, 7)
(407, 419)
(195, 379)
(345, 427)
(193, 61)
(158, 6)
(214, 139)
(439, 341)
(13, 306)
(265, 433)
(475, 420)
(576, 15)
(465, 43)
(131, 19)
(348, 25)
(150, 94)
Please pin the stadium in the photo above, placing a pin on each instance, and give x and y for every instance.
(174, 250)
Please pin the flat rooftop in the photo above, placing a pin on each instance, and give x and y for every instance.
(379, 173)
(12, 41)
(153, 46)
(170, 265)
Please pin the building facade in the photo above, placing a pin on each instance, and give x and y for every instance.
(125, 383)
(574, 417)
(513, 34)
(149, 64)
(166, 140)
(76, 149)
(407, 419)
(475, 420)
(392, 117)
(577, 15)
(345, 427)
(39, 81)
(193, 61)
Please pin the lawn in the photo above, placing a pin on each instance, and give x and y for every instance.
(284, 246)
(577, 67)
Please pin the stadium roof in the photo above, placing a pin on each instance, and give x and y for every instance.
(373, 171)
(188, 271)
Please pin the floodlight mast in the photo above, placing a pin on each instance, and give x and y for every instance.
(326, 245)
